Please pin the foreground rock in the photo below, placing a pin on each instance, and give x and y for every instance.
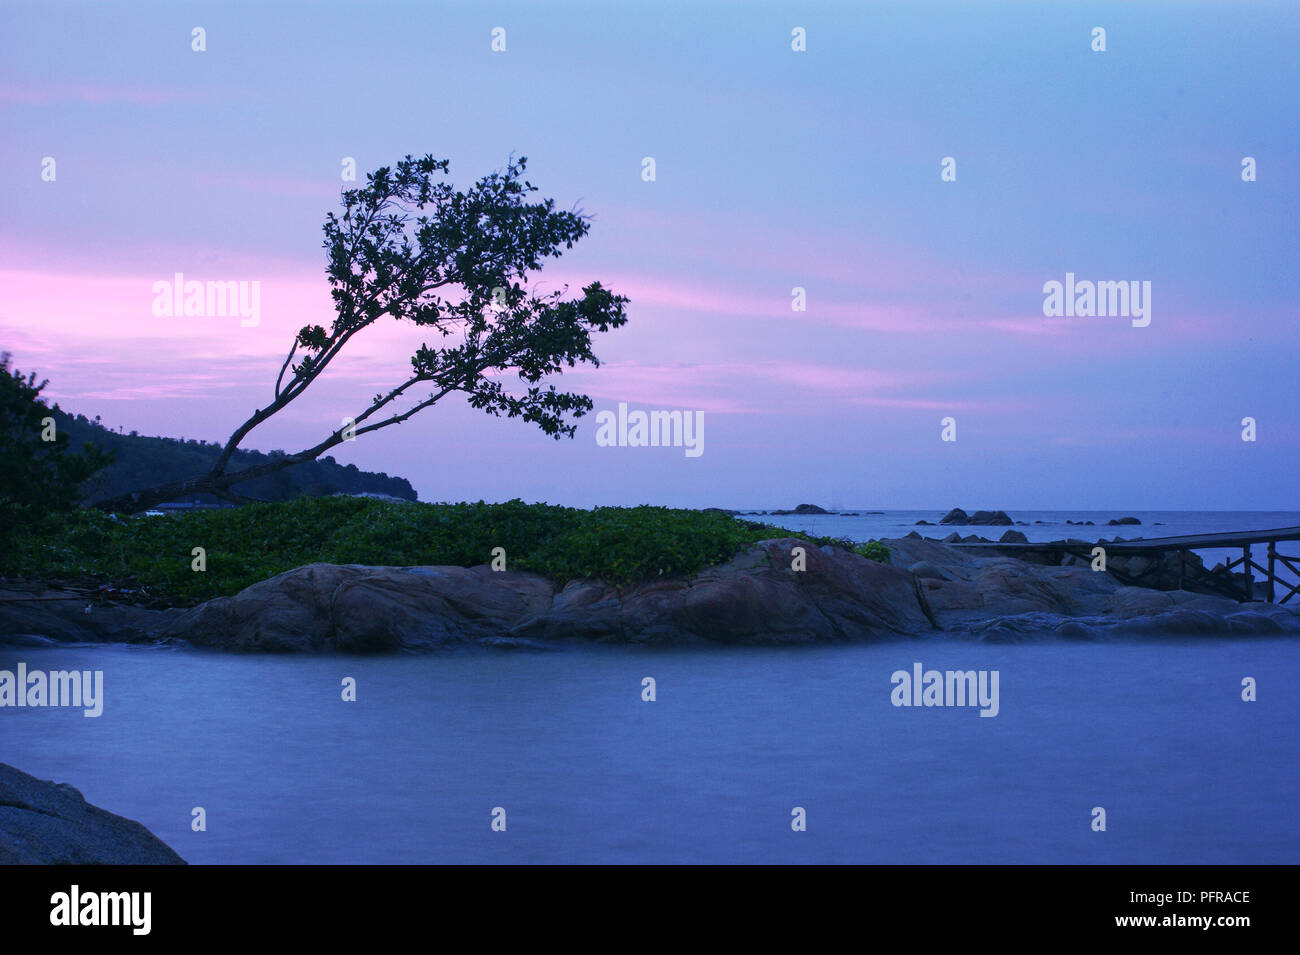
(38, 616)
(45, 823)
(754, 599)
(1004, 598)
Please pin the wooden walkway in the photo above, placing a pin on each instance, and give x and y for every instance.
(1246, 540)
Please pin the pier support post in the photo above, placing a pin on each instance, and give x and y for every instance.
(1272, 556)
(1245, 566)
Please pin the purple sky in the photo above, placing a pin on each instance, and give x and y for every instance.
(775, 169)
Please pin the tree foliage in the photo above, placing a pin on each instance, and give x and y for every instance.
(409, 246)
(38, 471)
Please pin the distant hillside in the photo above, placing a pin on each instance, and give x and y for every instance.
(145, 462)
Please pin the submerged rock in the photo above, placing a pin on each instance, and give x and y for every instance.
(45, 823)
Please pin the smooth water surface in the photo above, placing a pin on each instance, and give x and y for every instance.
(1154, 732)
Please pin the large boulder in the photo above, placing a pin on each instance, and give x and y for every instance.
(924, 570)
(994, 518)
(36, 615)
(997, 597)
(986, 518)
(755, 598)
(45, 823)
(360, 609)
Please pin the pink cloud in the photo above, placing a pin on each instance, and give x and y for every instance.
(664, 293)
(743, 387)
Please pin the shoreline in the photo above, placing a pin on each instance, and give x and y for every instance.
(778, 591)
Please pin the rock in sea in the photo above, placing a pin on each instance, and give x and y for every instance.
(45, 823)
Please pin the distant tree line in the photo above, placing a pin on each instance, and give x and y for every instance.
(140, 461)
(51, 460)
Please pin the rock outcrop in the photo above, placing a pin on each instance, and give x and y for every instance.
(983, 518)
(40, 616)
(756, 598)
(45, 823)
(994, 597)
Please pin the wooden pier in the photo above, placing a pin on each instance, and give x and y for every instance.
(1243, 565)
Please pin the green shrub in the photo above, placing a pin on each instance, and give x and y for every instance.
(621, 545)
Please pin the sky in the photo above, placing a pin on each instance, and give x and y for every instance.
(775, 169)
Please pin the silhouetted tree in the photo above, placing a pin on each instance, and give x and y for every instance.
(38, 472)
(414, 249)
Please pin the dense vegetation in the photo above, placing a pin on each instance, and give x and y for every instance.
(248, 544)
(39, 470)
(141, 461)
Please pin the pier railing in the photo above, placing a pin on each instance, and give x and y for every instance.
(1274, 584)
